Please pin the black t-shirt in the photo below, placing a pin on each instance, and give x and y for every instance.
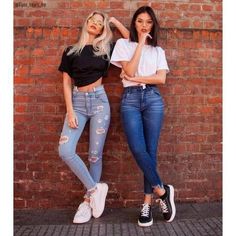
(85, 68)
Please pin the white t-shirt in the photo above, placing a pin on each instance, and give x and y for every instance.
(152, 59)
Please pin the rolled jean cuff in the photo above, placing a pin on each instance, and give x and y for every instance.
(148, 194)
(158, 186)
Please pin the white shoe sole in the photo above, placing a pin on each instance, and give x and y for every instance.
(81, 221)
(172, 194)
(104, 188)
(145, 224)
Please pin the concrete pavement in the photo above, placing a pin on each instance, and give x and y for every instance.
(197, 219)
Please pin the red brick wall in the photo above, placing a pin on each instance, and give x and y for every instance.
(190, 151)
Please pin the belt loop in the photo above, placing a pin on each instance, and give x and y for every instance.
(94, 90)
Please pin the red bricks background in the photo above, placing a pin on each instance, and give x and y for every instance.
(190, 149)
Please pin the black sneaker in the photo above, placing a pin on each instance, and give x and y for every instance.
(145, 217)
(167, 204)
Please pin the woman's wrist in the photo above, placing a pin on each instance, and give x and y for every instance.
(114, 21)
(136, 79)
(70, 112)
(141, 44)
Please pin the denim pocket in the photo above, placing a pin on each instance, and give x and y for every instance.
(155, 91)
(77, 98)
(124, 96)
(103, 98)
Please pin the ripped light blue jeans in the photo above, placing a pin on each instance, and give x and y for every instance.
(93, 106)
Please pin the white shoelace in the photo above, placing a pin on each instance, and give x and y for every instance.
(145, 210)
(92, 197)
(163, 205)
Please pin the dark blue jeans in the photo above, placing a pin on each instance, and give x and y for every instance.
(142, 115)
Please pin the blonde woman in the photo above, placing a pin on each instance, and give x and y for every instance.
(83, 66)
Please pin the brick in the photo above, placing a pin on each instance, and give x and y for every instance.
(116, 5)
(103, 4)
(63, 5)
(195, 7)
(37, 13)
(37, 22)
(89, 4)
(218, 7)
(19, 203)
(50, 22)
(38, 52)
(21, 22)
(22, 80)
(207, 7)
(214, 100)
(18, 13)
(75, 4)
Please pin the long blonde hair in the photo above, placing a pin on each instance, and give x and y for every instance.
(101, 43)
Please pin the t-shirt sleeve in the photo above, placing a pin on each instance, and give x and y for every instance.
(161, 60)
(65, 65)
(120, 53)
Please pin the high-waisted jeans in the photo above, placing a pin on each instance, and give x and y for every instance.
(142, 115)
(93, 106)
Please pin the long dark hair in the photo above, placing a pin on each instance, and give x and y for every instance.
(155, 28)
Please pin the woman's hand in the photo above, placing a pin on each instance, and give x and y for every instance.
(122, 74)
(126, 77)
(144, 37)
(122, 29)
(72, 120)
(112, 20)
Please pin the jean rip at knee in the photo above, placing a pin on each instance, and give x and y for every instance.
(63, 139)
(100, 130)
(94, 156)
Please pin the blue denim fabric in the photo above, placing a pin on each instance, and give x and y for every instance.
(93, 106)
(142, 112)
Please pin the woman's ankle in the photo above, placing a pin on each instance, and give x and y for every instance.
(159, 191)
(148, 199)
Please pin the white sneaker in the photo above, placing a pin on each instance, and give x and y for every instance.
(83, 214)
(98, 199)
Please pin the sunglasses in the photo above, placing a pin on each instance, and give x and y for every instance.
(96, 22)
